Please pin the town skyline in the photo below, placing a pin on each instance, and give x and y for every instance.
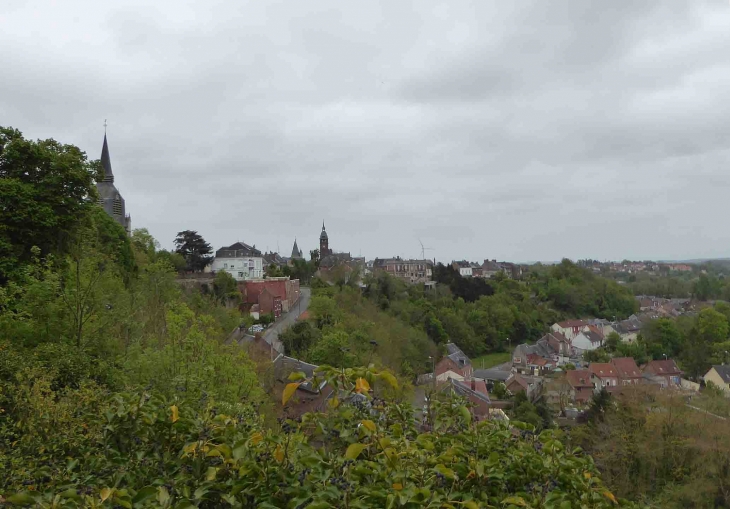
(516, 132)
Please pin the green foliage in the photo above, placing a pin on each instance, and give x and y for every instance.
(650, 446)
(194, 249)
(597, 355)
(299, 338)
(661, 337)
(150, 450)
(46, 188)
(225, 288)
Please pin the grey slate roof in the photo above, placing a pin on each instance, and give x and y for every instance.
(237, 250)
(454, 353)
(463, 389)
(295, 251)
(284, 366)
(491, 374)
(323, 235)
(109, 197)
(724, 372)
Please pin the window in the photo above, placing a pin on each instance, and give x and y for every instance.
(240, 274)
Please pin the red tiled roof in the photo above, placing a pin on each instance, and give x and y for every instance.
(626, 367)
(602, 369)
(572, 323)
(579, 378)
(596, 330)
(535, 359)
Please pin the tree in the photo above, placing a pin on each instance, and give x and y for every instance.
(612, 341)
(662, 337)
(299, 338)
(314, 257)
(194, 249)
(225, 288)
(597, 355)
(45, 189)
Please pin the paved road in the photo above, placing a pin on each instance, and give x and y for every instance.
(286, 321)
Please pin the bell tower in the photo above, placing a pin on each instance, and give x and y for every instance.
(324, 245)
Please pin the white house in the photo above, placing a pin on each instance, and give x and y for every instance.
(587, 340)
(240, 260)
(569, 328)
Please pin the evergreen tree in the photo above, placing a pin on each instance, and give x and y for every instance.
(194, 249)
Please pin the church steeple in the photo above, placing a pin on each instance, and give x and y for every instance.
(324, 249)
(295, 251)
(106, 162)
(109, 197)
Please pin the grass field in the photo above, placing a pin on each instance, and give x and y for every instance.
(490, 360)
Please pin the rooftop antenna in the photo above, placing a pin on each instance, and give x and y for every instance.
(424, 249)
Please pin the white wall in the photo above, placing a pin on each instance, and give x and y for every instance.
(241, 269)
(581, 342)
(465, 272)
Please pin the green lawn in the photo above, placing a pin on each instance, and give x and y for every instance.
(490, 360)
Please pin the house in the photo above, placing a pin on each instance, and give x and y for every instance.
(240, 260)
(603, 326)
(475, 391)
(581, 385)
(524, 356)
(410, 271)
(465, 268)
(666, 369)
(530, 385)
(587, 339)
(455, 364)
(278, 289)
(603, 375)
(569, 328)
(627, 370)
(720, 376)
(629, 329)
(309, 397)
(274, 259)
(490, 268)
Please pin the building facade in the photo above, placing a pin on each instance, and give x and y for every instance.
(282, 288)
(411, 271)
(240, 260)
(110, 198)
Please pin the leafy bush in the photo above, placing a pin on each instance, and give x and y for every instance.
(146, 450)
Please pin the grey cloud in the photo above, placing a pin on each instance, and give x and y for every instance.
(525, 131)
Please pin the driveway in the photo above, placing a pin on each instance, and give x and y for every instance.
(287, 320)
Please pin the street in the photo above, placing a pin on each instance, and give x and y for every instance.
(287, 320)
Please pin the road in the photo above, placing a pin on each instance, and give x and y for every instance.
(287, 320)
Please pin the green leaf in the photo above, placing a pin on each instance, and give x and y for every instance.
(21, 499)
(353, 451)
(465, 414)
(389, 378)
(163, 496)
(144, 494)
(518, 501)
(297, 375)
(445, 471)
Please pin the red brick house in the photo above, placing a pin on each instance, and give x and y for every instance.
(666, 369)
(454, 361)
(581, 385)
(283, 289)
(627, 370)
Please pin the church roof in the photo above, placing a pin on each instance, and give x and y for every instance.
(323, 235)
(106, 162)
(295, 251)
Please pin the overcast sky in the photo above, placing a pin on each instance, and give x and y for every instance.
(554, 129)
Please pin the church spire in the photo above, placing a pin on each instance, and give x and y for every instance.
(323, 225)
(106, 162)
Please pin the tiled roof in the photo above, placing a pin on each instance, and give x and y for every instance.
(463, 389)
(593, 337)
(724, 372)
(663, 367)
(572, 323)
(284, 366)
(602, 369)
(626, 367)
(579, 378)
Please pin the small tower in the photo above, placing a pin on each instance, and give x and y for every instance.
(295, 251)
(324, 249)
(109, 197)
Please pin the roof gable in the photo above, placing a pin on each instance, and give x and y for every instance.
(602, 369)
(724, 372)
(578, 378)
(626, 367)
